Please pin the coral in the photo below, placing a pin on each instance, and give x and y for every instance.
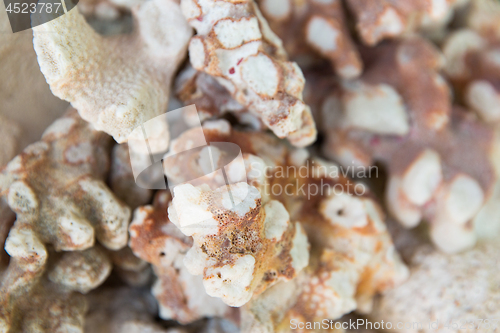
(211, 98)
(49, 308)
(471, 60)
(115, 83)
(352, 255)
(235, 45)
(155, 239)
(243, 220)
(314, 25)
(441, 160)
(454, 290)
(239, 249)
(380, 19)
(241, 244)
(66, 216)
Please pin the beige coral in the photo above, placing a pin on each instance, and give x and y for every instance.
(352, 260)
(317, 25)
(49, 308)
(261, 244)
(453, 292)
(352, 256)
(115, 83)
(441, 160)
(67, 216)
(155, 239)
(235, 45)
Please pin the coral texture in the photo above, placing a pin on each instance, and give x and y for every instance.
(155, 239)
(235, 45)
(317, 25)
(464, 288)
(115, 83)
(352, 256)
(211, 98)
(441, 160)
(66, 216)
(380, 19)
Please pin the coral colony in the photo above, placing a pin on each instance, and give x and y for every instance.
(251, 166)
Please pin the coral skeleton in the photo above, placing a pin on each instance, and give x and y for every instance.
(340, 276)
(235, 45)
(250, 166)
(442, 161)
(53, 239)
(116, 83)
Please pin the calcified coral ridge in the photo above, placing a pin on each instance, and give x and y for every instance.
(266, 224)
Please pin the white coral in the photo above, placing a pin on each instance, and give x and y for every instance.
(115, 83)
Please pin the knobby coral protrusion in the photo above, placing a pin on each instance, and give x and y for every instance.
(67, 216)
(240, 229)
(235, 45)
(155, 239)
(352, 255)
(240, 249)
(122, 180)
(472, 60)
(115, 83)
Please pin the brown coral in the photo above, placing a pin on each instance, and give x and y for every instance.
(441, 162)
(211, 98)
(317, 25)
